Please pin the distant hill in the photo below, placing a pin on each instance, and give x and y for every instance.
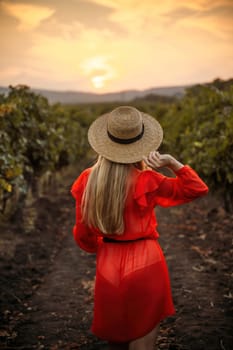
(71, 97)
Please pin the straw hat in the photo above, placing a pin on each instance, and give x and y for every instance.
(125, 135)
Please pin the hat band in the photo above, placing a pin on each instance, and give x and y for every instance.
(126, 141)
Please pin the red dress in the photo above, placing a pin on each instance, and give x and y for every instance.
(132, 289)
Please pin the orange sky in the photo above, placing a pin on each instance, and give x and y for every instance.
(111, 45)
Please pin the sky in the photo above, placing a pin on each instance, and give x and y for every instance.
(113, 45)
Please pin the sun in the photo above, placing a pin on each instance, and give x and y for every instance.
(99, 71)
(98, 81)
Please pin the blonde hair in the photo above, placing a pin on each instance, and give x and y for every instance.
(105, 194)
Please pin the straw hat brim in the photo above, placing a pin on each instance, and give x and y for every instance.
(125, 153)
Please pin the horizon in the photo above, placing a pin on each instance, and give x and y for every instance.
(105, 46)
(115, 91)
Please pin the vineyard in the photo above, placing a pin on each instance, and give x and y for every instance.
(47, 144)
(38, 139)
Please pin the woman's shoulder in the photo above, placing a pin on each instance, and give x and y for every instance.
(149, 175)
(147, 181)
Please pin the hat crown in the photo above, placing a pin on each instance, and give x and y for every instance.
(125, 122)
(125, 135)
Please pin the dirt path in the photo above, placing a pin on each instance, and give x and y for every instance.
(47, 282)
(59, 312)
(200, 263)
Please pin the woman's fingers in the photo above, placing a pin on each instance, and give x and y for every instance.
(157, 160)
(153, 159)
(154, 156)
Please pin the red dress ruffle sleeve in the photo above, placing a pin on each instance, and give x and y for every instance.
(154, 188)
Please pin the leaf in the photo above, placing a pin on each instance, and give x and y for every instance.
(198, 268)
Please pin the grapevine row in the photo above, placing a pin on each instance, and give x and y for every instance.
(36, 137)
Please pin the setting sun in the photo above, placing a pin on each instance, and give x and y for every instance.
(98, 82)
(99, 70)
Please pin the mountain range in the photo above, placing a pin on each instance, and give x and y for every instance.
(72, 97)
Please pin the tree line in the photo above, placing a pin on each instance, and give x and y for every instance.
(36, 137)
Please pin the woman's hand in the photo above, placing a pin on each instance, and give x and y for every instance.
(155, 160)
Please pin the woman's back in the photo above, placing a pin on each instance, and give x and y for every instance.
(115, 218)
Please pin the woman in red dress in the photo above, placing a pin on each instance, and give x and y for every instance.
(115, 218)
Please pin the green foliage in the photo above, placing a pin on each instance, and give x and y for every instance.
(34, 138)
(199, 130)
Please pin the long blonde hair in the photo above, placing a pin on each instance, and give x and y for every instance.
(105, 194)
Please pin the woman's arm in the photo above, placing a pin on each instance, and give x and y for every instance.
(184, 187)
(83, 235)
(155, 160)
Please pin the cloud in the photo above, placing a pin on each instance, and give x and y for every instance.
(89, 14)
(215, 19)
(136, 17)
(29, 16)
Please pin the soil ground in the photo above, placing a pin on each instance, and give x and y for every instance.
(46, 282)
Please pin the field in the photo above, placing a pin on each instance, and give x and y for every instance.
(46, 281)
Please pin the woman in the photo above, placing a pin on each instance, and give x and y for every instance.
(115, 218)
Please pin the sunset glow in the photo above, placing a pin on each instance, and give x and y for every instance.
(108, 45)
(98, 82)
